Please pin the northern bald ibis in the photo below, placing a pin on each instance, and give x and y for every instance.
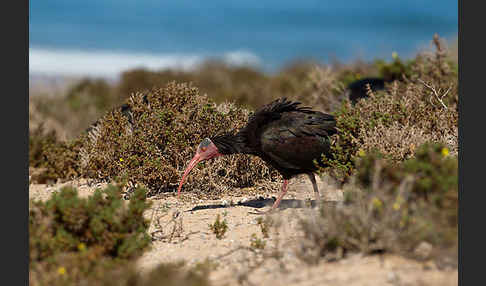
(283, 134)
(357, 89)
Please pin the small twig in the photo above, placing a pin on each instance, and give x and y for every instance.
(175, 219)
(369, 91)
(431, 102)
(446, 92)
(434, 91)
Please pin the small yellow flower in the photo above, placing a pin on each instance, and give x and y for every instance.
(61, 270)
(121, 159)
(445, 152)
(398, 202)
(394, 55)
(361, 153)
(376, 203)
(396, 206)
(81, 247)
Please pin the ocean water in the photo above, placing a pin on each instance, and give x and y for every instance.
(105, 37)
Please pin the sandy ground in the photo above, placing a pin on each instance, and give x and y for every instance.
(180, 231)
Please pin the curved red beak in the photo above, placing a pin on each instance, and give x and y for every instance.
(206, 150)
(197, 158)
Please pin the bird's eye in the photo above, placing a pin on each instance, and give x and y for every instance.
(203, 149)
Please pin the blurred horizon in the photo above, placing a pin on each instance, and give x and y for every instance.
(104, 38)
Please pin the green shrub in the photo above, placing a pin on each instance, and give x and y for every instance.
(432, 197)
(38, 139)
(436, 173)
(170, 274)
(390, 207)
(434, 170)
(265, 225)
(55, 159)
(80, 269)
(152, 145)
(219, 227)
(95, 241)
(409, 113)
(257, 243)
(84, 235)
(62, 160)
(102, 221)
(394, 70)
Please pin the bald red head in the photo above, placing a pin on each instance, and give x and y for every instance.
(205, 151)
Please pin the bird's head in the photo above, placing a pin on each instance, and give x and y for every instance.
(205, 151)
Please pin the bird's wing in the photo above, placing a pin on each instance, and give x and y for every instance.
(267, 114)
(297, 138)
(274, 109)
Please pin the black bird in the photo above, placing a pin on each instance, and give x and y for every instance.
(357, 89)
(283, 134)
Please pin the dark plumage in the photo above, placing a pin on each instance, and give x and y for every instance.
(283, 134)
(357, 89)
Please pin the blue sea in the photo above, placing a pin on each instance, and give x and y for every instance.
(105, 37)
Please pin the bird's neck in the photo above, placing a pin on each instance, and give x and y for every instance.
(231, 143)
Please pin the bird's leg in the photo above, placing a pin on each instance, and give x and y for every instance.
(277, 202)
(280, 195)
(316, 190)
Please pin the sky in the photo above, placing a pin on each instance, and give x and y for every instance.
(105, 37)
